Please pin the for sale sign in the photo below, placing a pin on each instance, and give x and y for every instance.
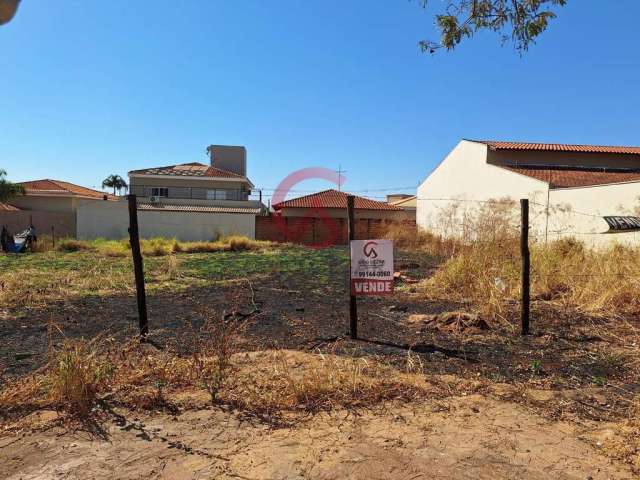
(371, 267)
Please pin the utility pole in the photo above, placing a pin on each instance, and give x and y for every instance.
(340, 172)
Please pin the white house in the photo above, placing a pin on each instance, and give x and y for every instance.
(188, 201)
(574, 190)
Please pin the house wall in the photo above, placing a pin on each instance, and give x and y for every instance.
(44, 203)
(578, 212)
(462, 182)
(465, 177)
(398, 215)
(111, 220)
(60, 224)
(539, 157)
(172, 181)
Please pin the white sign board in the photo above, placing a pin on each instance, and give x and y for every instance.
(371, 267)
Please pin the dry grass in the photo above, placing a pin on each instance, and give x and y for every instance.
(267, 384)
(158, 246)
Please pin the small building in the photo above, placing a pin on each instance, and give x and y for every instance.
(51, 206)
(333, 203)
(571, 188)
(407, 202)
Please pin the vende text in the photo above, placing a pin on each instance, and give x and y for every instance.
(361, 286)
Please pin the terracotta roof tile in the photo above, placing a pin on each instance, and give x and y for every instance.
(193, 169)
(333, 199)
(574, 177)
(558, 147)
(5, 207)
(58, 187)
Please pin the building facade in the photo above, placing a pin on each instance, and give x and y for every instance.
(571, 188)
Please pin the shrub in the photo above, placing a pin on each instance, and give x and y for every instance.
(72, 245)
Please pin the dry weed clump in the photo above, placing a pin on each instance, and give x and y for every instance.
(410, 237)
(278, 381)
(160, 246)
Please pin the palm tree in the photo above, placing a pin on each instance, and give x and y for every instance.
(116, 182)
(8, 189)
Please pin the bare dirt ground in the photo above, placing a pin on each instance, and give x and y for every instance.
(547, 405)
(467, 437)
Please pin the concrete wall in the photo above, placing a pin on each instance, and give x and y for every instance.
(44, 203)
(111, 220)
(62, 223)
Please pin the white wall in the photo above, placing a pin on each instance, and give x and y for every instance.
(464, 177)
(578, 212)
(111, 220)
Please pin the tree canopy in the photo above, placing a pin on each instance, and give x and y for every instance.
(518, 21)
(114, 181)
(8, 190)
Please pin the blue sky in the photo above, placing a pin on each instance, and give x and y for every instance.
(89, 87)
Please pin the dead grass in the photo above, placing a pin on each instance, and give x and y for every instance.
(158, 246)
(267, 384)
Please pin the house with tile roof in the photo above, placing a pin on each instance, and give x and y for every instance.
(188, 201)
(571, 188)
(49, 195)
(333, 203)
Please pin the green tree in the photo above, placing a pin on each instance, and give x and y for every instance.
(8, 189)
(518, 21)
(114, 181)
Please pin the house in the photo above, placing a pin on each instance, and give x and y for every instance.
(56, 196)
(188, 201)
(571, 188)
(321, 219)
(51, 206)
(407, 202)
(333, 203)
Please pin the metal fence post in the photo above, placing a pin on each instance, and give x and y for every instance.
(353, 303)
(526, 266)
(134, 239)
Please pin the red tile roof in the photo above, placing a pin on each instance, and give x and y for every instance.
(58, 187)
(558, 147)
(573, 177)
(193, 169)
(5, 207)
(333, 199)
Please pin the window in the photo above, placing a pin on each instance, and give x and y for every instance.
(159, 192)
(216, 194)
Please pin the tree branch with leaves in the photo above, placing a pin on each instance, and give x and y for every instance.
(518, 21)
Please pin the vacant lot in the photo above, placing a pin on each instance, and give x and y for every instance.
(249, 374)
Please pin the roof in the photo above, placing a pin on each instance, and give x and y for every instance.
(60, 188)
(558, 147)
(5, 207)
(559, 177)
(162, 207)
(193, 169)
(405, 202)
(333, 199)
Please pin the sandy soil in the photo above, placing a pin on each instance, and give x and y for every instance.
(469, 437)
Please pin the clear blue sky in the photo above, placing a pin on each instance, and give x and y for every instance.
(94, 87)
